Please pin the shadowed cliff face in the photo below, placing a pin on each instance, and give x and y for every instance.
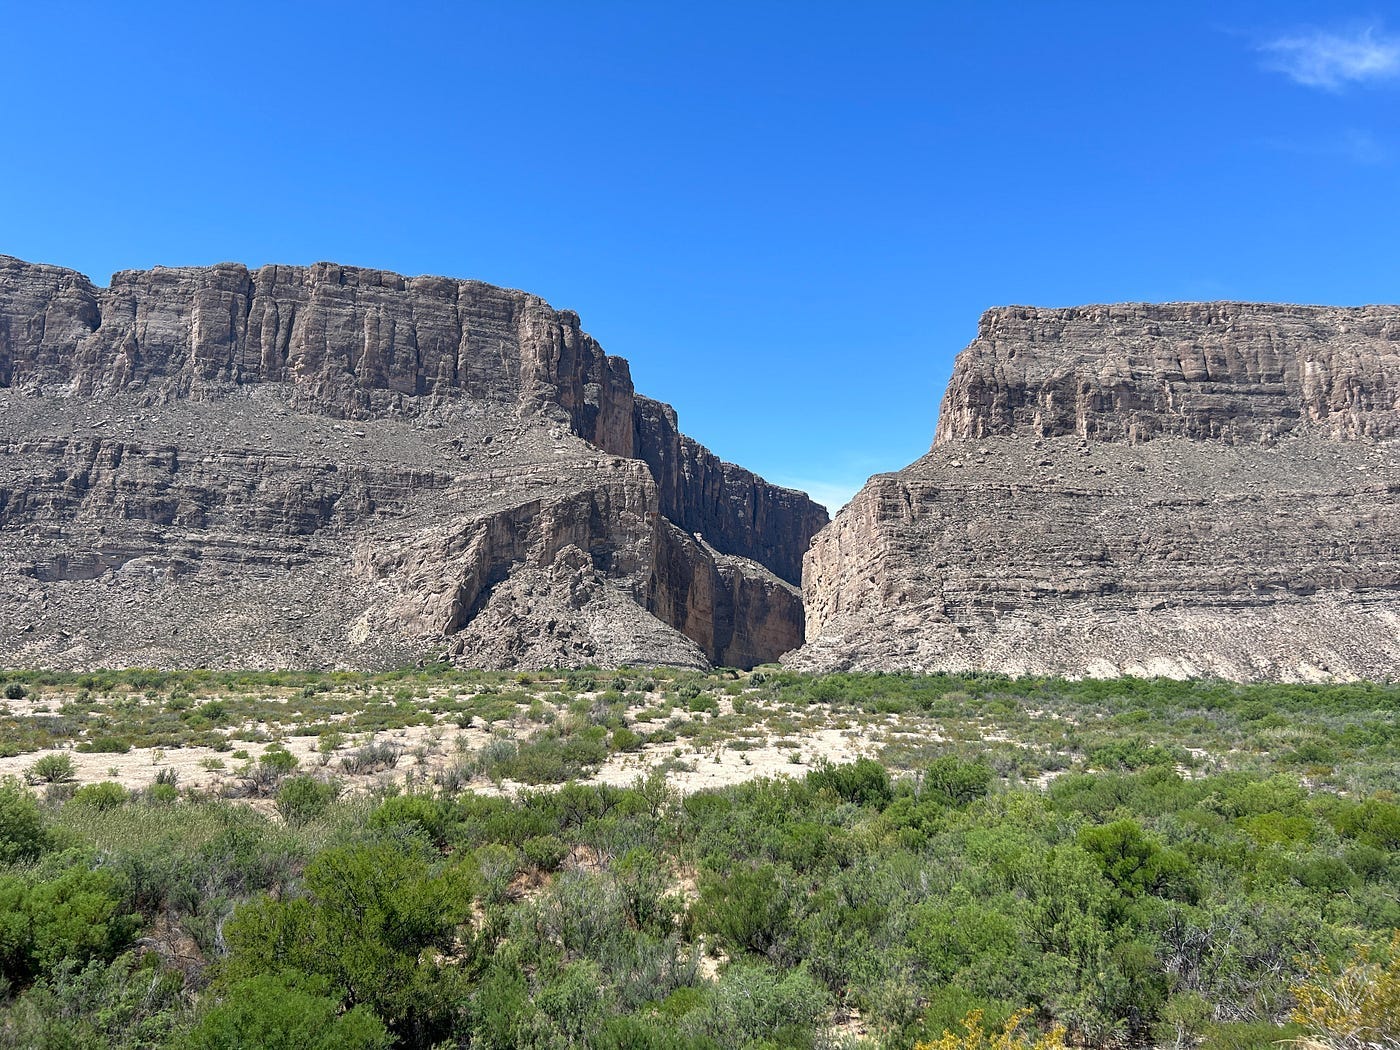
(333, 466)
(1187, 489)
(733, 510)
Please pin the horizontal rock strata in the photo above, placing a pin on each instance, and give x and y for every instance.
(329, 466)
(1185, 489)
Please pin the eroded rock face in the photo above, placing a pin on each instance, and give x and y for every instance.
(733, 510)
(327, 466)
(1234, 373)
(1188, 489)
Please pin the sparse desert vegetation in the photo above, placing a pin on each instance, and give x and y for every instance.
(653, 858)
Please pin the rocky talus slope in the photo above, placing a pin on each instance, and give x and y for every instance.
(330, 466)
(1183, 489)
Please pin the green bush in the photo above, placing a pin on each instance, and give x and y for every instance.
(956, 782)
(68, 911)
(755, 1005)
(375, 920)
(23, 836)
(751, 910)
(426, 816)
(864, 782)
(301, 800)
(56, 768)
(545, 852)
(554, 757)
(123, 1005)
(161, 794)
(105, 745)
(286, 1011)
(103, 796)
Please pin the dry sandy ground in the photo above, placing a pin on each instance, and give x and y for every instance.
(427, 750)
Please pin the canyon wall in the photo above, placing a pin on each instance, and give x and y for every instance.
(1181, 489)
(331, 466)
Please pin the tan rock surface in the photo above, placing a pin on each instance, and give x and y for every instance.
(328, 466)
(1188, 489)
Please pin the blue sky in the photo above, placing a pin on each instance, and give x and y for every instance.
(787, 216)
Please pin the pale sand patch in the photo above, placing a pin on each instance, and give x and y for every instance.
(721, 766)
(426, 750)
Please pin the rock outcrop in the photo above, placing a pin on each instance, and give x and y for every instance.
(1180, 489)
(331, 466)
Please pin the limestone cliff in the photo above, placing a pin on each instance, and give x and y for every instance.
(307, 466)
(1185, 489)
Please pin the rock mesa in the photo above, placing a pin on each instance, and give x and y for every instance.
(332, 466)
(1179, 489)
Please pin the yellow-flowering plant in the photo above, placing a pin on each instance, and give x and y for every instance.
(1356, 1006)
(1012, 1036)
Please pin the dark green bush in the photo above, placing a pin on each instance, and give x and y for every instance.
(22, 833)
(68, 910)
(301, 800)
(749, 911)
(429, 817)
(864, 782)
(375, 919)
(956, 782)
(286, 1011)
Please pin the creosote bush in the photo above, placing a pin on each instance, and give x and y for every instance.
(1125, 902)
(52, 769)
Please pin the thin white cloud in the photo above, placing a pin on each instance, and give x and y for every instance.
(1332, 60)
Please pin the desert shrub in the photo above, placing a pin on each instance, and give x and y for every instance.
(864, 781)
(554, 757)
(756, 1005)
(68, 910)
(22, 833)
(161, 794)
(303, 799)
(15, 691)
(264, 776)
(374, 922)
(1250, 1035)
(106, 795)
(105, 745)
(277, 761)
(1353, 1005)
(55, 768)
(425, 816)
(455, 777)
(1013, 1036)
(286, 1011)
(123, 1005)
(1136, 863)
(646, 1032)
(1134, 753)
(751, 910)
(545, 852)
(1374, 822)
(373, 757)
(956, 782)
